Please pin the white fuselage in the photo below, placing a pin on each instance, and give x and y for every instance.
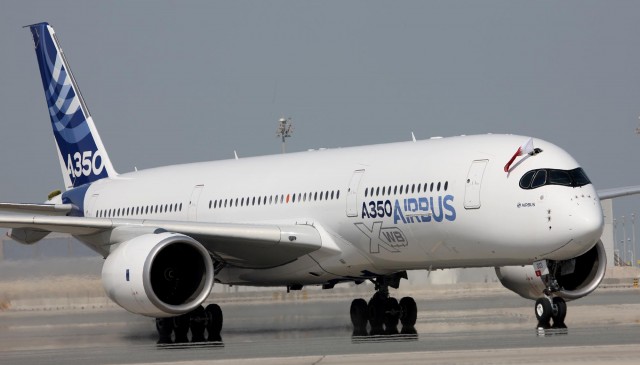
(431, 204)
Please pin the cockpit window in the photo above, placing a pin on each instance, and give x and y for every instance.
(525, 181)
(579, 177)
(559, 177)
(540, 177)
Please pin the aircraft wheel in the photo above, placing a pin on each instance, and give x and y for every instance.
(181, 328)
(165, 328)
(359, 313)
(409, 311)
(543, 310)
(198, 320)
(391, 315)
(559, 312)
(214, 322)
(376, 313)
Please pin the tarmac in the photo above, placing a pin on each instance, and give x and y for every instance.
(457, 324)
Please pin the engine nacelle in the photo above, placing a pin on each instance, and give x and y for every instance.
(576, 277)
(158, 275)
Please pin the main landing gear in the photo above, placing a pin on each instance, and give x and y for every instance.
(383, 312)
(197, 321)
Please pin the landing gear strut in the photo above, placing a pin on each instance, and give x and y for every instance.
(383, 312)
(550, 307)
(196, 321)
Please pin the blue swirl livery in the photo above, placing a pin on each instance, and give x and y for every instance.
(83, 158)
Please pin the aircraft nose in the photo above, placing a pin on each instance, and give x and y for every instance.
(583, 226)
(588, 223)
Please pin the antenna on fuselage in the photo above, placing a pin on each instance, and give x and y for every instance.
(285, 129)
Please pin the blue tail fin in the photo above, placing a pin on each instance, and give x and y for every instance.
(83, 158)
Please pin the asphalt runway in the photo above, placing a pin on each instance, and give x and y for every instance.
(455, 328)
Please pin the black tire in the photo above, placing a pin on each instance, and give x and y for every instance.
(165, 329)
(409, 312)
(560, 312)
(359, 313)
(181, 328)
(214, 322)
(543, 310)
(376, 312)
(198, 323)
(391, 315)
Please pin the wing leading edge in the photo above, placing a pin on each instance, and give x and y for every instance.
(618, 192)
(243, 245)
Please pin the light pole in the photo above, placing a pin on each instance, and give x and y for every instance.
(285, 129)
(624, 243)
(633, 239)
(615, 229)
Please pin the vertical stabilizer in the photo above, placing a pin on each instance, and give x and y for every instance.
(83, 158)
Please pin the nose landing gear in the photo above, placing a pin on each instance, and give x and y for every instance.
(551, 308)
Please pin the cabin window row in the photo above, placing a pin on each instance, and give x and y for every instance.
(406, 189)
(275, 199)
(134, 211)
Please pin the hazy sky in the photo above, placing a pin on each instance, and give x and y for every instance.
(173, 82)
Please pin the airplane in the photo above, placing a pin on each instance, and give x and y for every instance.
(317, 218)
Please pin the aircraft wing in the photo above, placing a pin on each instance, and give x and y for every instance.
(244, 245)
(618, 192)
(46, 209)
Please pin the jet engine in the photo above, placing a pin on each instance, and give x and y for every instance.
(158, 275)
(575, 277)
